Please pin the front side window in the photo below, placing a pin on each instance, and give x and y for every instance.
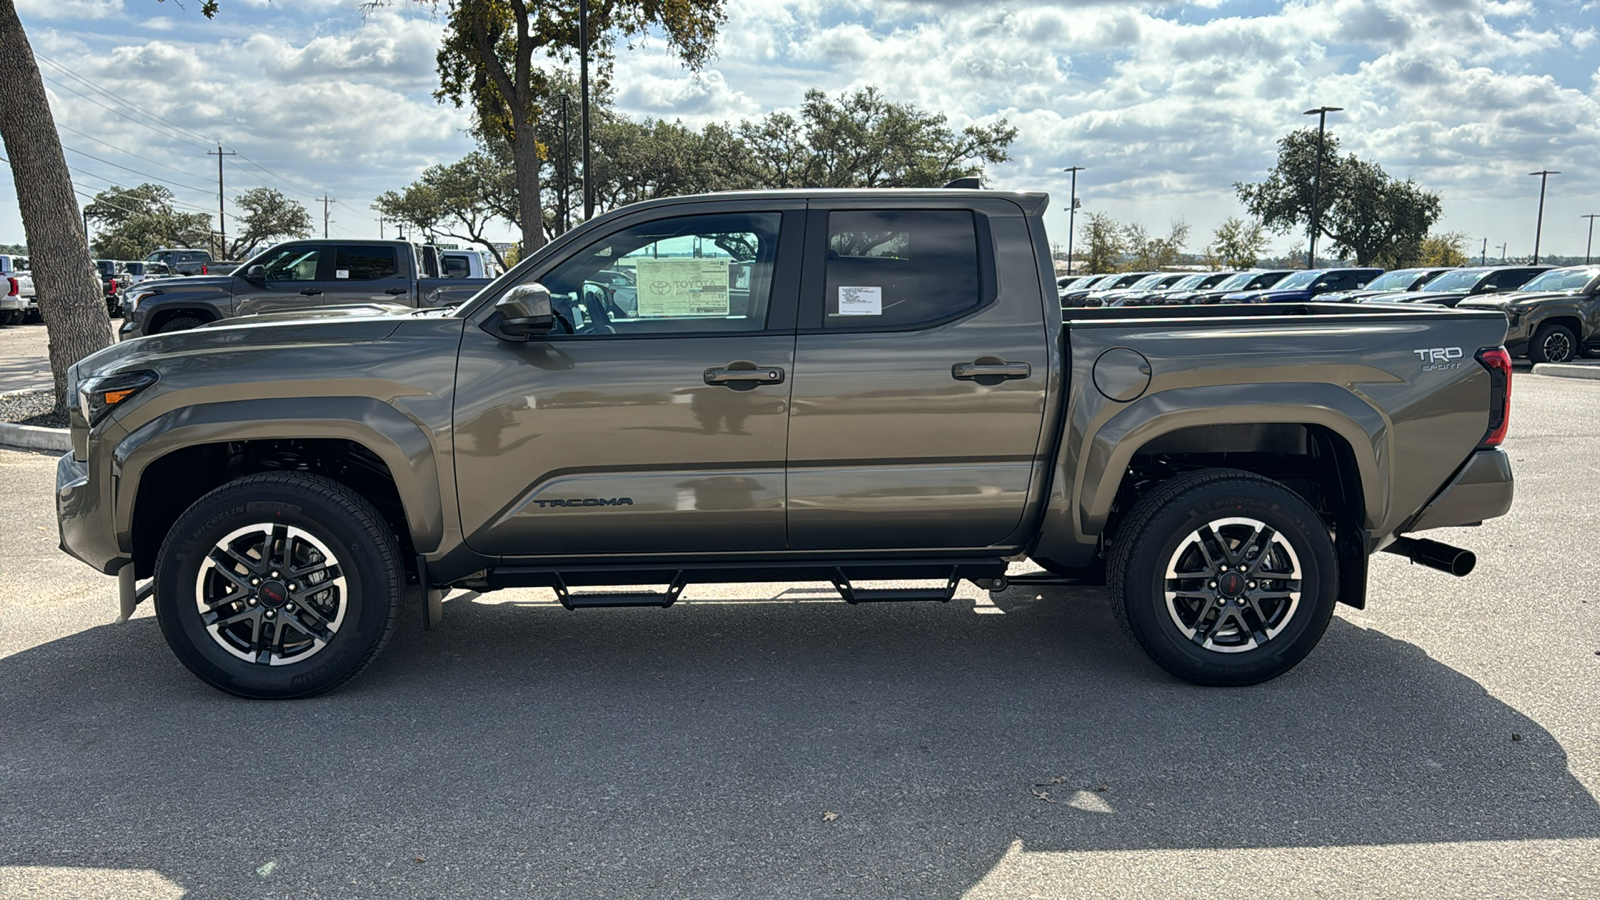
(685, 274)
(892, 268)
(293, 263)
(364, 264)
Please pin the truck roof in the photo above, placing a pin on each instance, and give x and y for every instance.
(1032, 202)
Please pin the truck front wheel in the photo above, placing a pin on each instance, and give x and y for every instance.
(278, 585)
(1224, 577)
(1553, 343)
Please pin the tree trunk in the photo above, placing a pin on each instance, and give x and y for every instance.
(70, 298)
(525, 158)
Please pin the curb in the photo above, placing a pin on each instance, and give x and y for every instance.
(32, 437)
(1569, 370)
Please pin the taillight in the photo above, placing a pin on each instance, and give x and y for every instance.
(14, 288)
(204, 270)
(1498, 362)
(113, 285)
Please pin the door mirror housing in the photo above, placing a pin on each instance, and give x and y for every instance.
(524, 312)
(256, 273)
(1490, 289)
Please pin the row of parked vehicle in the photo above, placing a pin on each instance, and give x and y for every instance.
(17, 298)
(1554, 314)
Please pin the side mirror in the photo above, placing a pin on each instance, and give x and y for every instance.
(256, 273)
(1490, 289)
(1321, 286)
(524, 312)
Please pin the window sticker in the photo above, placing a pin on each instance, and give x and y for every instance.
(341, 273)
(674, 288)
(860, 301)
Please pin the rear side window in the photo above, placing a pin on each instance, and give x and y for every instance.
(365, 264)
(893, 268)
(456, 267)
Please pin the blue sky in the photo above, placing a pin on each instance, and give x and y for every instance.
(1166, 105)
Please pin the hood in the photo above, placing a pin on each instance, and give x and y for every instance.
(334, 325)
(173, 283)
(1518, 299)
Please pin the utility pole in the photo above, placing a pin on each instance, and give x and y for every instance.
(325, 201)
(566, 169)
(1072, 212)
(583, 76)
(380, 226)
(1321, 113)
(1590, 245)
(222, 225)
(1503, 253)
(1538, 227)
(1483, 257)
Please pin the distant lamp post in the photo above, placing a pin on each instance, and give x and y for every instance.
(1483, 258)
(1538, 225)
(583, 78)
(1503, 253)
(1072, 213)
(1321, 113)
(1590, 245)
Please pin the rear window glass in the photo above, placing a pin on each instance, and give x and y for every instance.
(456, 267)
(365, 263)
(891, 268)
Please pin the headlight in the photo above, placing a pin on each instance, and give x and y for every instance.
(100, 394)
(138, 296)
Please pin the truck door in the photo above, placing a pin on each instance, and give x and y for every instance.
(656, 428)
(367, 273)
(291, 279)
(919, 379)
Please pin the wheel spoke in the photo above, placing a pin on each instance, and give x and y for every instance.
(318, 627)
(220, 620)
(330, 570)
(1261, 544)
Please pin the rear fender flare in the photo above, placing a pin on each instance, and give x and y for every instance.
(402, 445)
(1114, 444)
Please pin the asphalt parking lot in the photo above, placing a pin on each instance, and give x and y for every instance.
(767, 741)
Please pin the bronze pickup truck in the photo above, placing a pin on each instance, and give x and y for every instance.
(847, 386)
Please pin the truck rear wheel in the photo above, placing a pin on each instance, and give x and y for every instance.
(1224, 577)
(278, 585)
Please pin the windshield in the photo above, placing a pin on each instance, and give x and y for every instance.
(1235, 282)
(1300, 279)
(1395, 281)
(1563, 280)
(1188, 282)
(1149, 281)
(1458, 282)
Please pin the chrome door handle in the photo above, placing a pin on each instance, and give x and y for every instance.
(987, 368)
(748, 374)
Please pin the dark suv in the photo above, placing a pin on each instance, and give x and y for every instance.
(183, 261)
(1307, 285)
(1458, 284)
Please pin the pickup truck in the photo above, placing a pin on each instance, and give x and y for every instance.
(293, 276)
(16, 289)
(1554, 318)
(847, 386)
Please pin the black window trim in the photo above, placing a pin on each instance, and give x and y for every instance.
(813, 305)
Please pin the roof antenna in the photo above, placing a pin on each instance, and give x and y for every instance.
(971, 182)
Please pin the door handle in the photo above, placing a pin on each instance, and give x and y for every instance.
(744, 374)
(395, 291)
(311, 292)
(988, 368)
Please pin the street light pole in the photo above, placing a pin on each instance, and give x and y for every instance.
(1538, 227)
(1321, 113)
(1590, 245)
(1483, 258)
(583, 76)
(1503, 253)
(1072, 213)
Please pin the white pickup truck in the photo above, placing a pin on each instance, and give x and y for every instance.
(17, 297)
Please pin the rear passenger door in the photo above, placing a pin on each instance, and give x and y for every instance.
(919, 377)
(367, 273)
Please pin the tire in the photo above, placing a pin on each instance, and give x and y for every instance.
(311, 519)
(10, 317)
(179, 323)
(1553, 343)
(1217, 627)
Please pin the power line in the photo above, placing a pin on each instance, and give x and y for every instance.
(117, 112)
(122, 151)
(118, 98)
(108, 162)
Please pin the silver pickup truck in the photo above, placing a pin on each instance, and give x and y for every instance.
(846, 386)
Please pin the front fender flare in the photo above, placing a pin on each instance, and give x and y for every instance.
(1345, 413)
(402, 445)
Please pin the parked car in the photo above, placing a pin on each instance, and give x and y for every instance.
(1393, 282)
(109, 270)
(284, 481)
(1183, 285)
(1139, 290)
(294, 276)
(1117, 282)
(1253, 280)
(183, 260)
(1553, 318)
(1458, 284)
(1074, 294)
(1064, 282)
(1307, 285)
(135, 271)
(16, 289)
(468, 264)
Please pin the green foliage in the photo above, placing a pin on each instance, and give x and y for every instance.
(1146, 253)
(131, 222)
(1237, 244)
(1364, 212)
(459, 200)
(1103, 244)
(1446, 250)
(268, 217)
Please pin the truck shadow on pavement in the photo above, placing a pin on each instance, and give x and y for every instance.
(734, 750)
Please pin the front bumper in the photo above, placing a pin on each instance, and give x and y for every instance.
(1482, 489)
(84, 515)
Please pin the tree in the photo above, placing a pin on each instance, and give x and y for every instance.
(1237, 244)
(70, 299)
(1446, 250)
(268, 217)
(1103, 243)
(492, 51)
(131, 222)
(1146, 253)
(1364, 211)
(459, 200)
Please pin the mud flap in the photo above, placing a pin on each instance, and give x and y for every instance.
(1352, 552)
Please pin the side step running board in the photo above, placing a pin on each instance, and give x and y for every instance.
(663, 599)
(854, 595)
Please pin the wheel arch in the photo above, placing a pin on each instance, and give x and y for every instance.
(161, 317)
(168, 463)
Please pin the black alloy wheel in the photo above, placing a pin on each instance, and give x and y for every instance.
(1553, 343)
